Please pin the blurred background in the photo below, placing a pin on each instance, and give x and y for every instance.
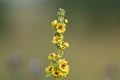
(93, 32)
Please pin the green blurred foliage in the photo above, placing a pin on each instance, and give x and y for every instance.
(93, 32)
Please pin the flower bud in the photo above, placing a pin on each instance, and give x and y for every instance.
(58, 56)
(66, 21)
(66, 44)
(62, 47)
(54, 23)
(52, 56)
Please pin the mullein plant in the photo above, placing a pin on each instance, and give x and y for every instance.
(58, 67)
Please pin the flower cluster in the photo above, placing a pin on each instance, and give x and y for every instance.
(58, 67)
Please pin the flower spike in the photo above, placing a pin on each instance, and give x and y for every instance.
(58, 67)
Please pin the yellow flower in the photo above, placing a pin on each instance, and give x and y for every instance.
(57, 39)
(57, 73)
(61, 27)
(64, 67)
(62, 47)
(66, 21)
(49, 69)
(62, 63)
(66, 44)
(51, 56)
(54, 23)
(66, 71)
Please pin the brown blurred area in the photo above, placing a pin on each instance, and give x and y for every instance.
(93, 32)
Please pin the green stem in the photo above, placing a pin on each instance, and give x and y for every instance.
(60, 52)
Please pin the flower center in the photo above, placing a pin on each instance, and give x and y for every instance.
(51, 55)
(57, 73)
(63, 66)
(60, 27)
(58, 39)
(50, 69)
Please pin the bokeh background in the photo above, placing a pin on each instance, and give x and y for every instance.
(93, 32)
